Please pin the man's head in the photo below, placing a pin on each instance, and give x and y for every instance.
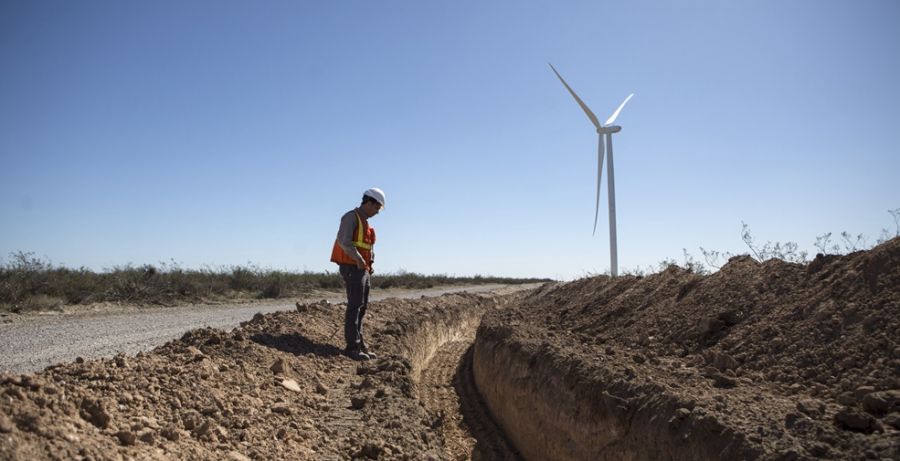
(372, 202)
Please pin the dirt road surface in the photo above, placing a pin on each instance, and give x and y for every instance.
(32, 342)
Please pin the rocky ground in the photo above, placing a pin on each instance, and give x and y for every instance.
(757, 361)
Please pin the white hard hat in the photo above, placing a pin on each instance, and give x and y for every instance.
(376, 194)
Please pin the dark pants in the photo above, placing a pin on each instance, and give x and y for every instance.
(357, 282)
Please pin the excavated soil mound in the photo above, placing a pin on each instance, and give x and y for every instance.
(275, 388)
(758, 361)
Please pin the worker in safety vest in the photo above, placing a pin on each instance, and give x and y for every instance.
(353, 254)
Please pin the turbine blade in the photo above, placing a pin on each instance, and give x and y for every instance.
(612, 118)
(599, 175)
(581, 103)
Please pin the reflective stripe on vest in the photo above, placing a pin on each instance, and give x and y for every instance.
(359, 241)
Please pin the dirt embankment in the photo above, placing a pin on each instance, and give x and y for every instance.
(757, 361)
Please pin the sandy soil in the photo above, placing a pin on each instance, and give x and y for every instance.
(769, 361)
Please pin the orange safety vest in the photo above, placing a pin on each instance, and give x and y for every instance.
(363, 240)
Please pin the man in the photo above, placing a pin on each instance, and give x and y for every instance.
(353, 254)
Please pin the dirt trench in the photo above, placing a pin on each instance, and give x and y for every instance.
(440, 352)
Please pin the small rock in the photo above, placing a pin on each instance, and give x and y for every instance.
(148, 421)
(29, 382)
(302, 307)
(861, 392)
(724, 362)
(280, 367)
(281, 409)
(15, 392)
(881, 403)
(818, 449)
(722, 381)
(237, 456)
(855, 420)
(221, 433)
(811, 408)
(6, 426)
(28, 421)
(320, 388)
(893, 420)
(789, 455)
(638, 358)
(171, 433)
(147, 436)
(126, 438)
(357, 403)
(371, 450)
(204, 428)
(797, 421)
(846, 399)
(291, 385)
(195, 352)
(94, 412)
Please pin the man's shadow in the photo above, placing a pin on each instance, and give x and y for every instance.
(296, 344)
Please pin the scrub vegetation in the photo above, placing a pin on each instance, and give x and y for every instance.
(827, 245)
(29, 283)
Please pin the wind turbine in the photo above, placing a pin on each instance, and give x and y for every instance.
(606, 129)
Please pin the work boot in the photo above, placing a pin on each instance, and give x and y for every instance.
(356, 354)
(365, 350)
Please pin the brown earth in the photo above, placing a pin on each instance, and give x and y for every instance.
(757, 361)
(275, 388)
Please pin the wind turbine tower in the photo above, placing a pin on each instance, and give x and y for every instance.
(606, 131)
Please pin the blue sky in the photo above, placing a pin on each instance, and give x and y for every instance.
(225, 132)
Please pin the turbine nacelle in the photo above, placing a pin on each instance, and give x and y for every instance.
(609, 129)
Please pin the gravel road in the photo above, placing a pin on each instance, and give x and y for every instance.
(32, 342)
